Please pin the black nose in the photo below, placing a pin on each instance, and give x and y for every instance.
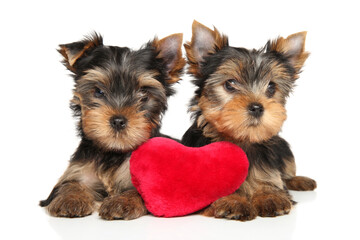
(256, 109)
(118, 122)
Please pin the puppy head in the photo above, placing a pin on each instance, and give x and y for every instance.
(120, 94)
(242, 93)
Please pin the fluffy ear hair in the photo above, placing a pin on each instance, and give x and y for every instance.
(204, 42)
(72, 52)
(292, 47)
(169, 50)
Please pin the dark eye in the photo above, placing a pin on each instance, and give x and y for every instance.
(99, 93)
(271, 88)
(229, 85)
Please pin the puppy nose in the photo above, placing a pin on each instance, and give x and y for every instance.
(118, 122)
(256, 109)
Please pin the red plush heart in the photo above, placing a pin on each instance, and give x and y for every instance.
(175, 180)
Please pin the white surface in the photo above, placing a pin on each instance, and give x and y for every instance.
(38, 133)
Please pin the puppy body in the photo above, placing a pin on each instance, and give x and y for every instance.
(119, 97)
(241, 98)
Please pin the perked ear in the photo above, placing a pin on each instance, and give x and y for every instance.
(72, 52)
(169, 50)
(293, 48)
(204, 41)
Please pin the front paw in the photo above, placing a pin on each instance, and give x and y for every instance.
(71, 206)
(123, 206)
(272, 204)
(231, 207)
(299, 183)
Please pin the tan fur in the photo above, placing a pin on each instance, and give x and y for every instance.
(96, 121)
(73, 200)
(117, 180)
(127, 205)
(297, 183)
(193, 56)
(223, 115)
(122, 177)
(289, 169)
(147, 79)
(97, 127)
(300, 183)
(89, 181)
(228, 114)
(234, 121)
(76, 98)
(271, 202)
(231, 69)
(284, 45)
(258, 177)
(232, 206)
(179, 61)
(96, 75)
(261, 194)
(84, 177)
(76, 197)
(83, 173)
(71, 58)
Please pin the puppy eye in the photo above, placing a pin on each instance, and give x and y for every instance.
(229, 85)
(271, 88)
(99, 93)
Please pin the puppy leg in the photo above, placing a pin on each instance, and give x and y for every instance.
(72, 200)
(123, 202)
(297, 183)
(233, 206)
(127, 205)
(270, 201)
(73, 196)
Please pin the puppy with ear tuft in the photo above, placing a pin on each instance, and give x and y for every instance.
(119, 97)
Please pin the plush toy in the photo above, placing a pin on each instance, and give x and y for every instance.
(175, 180)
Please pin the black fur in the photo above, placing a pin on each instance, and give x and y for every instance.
(251, 73)
(240, 97)
(194, 137)
(271, 153)
(52, 195)
(122, 67)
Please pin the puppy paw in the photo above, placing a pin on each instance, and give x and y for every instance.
(299, 183)
(272, 204)
(231, 207)
(123, 206)
(71, 206)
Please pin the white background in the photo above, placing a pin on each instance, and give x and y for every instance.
(38, 136)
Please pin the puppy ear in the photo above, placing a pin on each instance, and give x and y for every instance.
(72, 52)
(293, 48)
(204, 41)
(169, 50)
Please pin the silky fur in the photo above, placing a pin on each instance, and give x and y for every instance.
(113, 82)
(229, 80)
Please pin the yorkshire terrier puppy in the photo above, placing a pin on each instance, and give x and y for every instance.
(119, 97)
(240, 97)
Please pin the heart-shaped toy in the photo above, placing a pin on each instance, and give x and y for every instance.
(175, 180)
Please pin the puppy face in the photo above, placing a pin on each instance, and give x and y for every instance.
(241, 92)
(121, 94)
